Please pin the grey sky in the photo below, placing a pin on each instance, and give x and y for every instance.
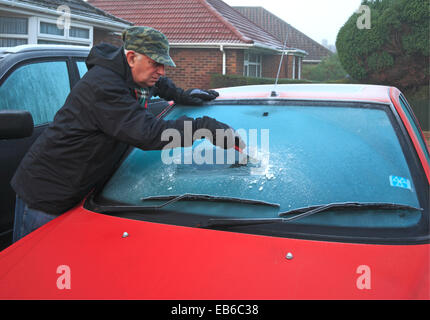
(317, 19)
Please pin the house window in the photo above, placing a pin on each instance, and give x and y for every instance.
(11, 42)
(252, 65)
(11, 25)
(298, 67)
(77, 34)
(13, 31)
(50, 28)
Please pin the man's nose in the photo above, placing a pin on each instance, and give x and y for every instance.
(161, 71)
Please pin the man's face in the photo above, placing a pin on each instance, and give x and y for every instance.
(144, 70)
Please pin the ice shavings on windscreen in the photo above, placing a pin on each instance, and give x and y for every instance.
(316, 155)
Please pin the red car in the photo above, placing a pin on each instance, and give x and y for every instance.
(333, 203)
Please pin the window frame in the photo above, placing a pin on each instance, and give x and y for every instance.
(414, 122)
(75, 68)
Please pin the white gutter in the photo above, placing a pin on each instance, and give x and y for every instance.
(94, 21)
(217, 45)
(311, 61)
(221, 47)
(296, 52)
(209, 45)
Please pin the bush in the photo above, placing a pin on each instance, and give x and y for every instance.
(395, 50)
(329, 69)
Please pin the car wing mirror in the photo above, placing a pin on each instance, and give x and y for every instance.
(15, 124)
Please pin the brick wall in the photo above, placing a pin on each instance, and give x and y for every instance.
(194, 66)
(234, 60)
(290, 67)
(271, 66)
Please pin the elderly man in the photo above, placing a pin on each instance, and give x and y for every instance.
(103, 115)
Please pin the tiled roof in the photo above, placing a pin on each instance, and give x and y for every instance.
(191, 21)
(279, 28)
(78, 7)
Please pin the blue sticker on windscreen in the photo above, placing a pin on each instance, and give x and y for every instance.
(400, 182)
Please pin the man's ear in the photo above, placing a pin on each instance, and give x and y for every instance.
(131, 58)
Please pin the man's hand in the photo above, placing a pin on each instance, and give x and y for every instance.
(228, 139)
(205, 95)
(197, 96)
(166, 89)
(223, 135)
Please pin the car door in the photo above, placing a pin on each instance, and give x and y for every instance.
(40, 86)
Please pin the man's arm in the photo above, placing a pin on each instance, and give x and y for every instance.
(120, 116)
(166, 89)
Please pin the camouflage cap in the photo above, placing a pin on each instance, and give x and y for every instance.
(148, 41)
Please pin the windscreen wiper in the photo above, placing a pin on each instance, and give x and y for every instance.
(305, 212)
(174, 198)
(204, 197)
(302, 213)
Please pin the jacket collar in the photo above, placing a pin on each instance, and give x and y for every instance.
(113, 58)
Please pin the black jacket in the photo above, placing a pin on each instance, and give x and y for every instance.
(99, 120)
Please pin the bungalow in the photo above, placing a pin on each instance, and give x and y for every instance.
(208, 37)
(280, 29)
(55, 22)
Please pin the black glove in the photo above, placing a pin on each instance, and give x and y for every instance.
(225, 138)
(197, 97)
(206, 95)
(166, 89)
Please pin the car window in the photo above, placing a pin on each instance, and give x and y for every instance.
(407, 109)
(318, 155)
(82, 67)
(40, 88)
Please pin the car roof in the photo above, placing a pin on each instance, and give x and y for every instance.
(11, 56)
(41, 47)
(336, 92)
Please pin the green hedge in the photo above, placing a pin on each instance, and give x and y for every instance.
(328, 69)
(395, 50)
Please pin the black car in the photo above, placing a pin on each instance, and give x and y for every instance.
(36, 79)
